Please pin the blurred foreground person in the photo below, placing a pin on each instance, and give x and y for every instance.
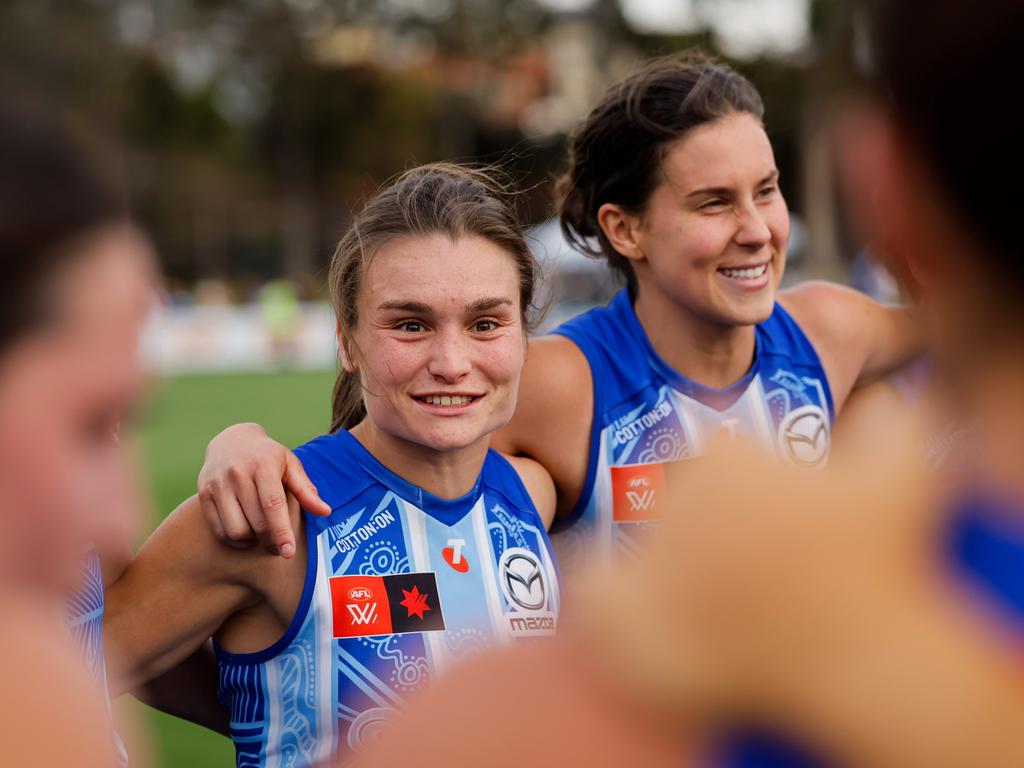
(873, 614)
(75, 288)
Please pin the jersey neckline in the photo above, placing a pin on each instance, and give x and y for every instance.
(446, 511)
(719, 399)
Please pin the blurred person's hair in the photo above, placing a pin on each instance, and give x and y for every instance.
(435, 199)
(50, 196)
(949, 71)
(615, 155)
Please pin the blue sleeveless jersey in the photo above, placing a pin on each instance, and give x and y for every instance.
(647, 414)
(399, 585)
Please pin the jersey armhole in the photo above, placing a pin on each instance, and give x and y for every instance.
(794, 327)
(533, 508)
(596, 427)
(301, 610)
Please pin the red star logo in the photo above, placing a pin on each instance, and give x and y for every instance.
(415, 602)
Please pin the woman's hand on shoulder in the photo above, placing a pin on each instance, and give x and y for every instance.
(243, 488)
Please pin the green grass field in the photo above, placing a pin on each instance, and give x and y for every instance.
(183, 414)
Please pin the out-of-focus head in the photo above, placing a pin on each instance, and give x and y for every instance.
(431, 286)
(77, 280)
(932, 162)
(672, 179)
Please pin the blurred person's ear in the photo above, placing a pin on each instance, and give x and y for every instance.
(894, 201)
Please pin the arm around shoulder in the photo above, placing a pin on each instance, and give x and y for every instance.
(856, 338)
(175, 594)
(554, 415)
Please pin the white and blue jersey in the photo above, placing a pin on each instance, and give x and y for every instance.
(399, 584)
(646, 414)
(84, 616)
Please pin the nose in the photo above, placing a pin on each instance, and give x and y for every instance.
(753, 231)
(450, 358)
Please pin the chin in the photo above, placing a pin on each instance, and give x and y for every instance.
(454, 438)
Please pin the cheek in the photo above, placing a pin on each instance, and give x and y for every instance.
(778, 223)
(391, 363)
(501, 361)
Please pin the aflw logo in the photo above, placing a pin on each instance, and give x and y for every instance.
(636, 489)
(363, 614)
(642, 499)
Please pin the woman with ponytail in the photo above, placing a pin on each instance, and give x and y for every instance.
(435, 545)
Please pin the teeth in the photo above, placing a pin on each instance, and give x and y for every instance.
(745, 274)
(444, 400)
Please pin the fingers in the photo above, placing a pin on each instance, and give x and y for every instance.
(275, 522)
(299, 484)
(224, 514)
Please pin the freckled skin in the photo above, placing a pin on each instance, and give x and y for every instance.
(446, 349)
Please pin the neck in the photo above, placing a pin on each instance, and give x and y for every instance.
(990, 403)
(445, 474)
(710, 353)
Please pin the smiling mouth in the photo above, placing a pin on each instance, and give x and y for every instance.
(447, 401)
(745, 273)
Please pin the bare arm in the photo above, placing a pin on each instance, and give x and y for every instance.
(857, 339)
(554, 415)
(539, 485)
(189, 691)
(172, 598)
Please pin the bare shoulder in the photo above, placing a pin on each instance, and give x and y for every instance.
(554, 415)
(538, 484)
(827, 310)
(36, 661)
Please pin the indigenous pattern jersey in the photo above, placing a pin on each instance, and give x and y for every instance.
(85, 618)
(399, 584)
(84, 613)
(646, 414)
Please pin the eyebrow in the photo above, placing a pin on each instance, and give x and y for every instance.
(725, 191)
(417, 307)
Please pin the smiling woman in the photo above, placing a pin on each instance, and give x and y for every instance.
(435, 546)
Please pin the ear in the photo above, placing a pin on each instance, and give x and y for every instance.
(890, 198)
(346, 360)
(622, 230)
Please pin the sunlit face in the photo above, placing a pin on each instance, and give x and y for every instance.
(63, 479)
(713, 237)
(440, 341)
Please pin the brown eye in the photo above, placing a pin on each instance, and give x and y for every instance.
(410, 326)
(484, 326)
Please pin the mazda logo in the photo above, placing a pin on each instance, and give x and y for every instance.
(522, 579)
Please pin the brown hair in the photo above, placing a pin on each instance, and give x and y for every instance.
(438, 198)
(928, 54)
(615, 155)
(50, 195)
